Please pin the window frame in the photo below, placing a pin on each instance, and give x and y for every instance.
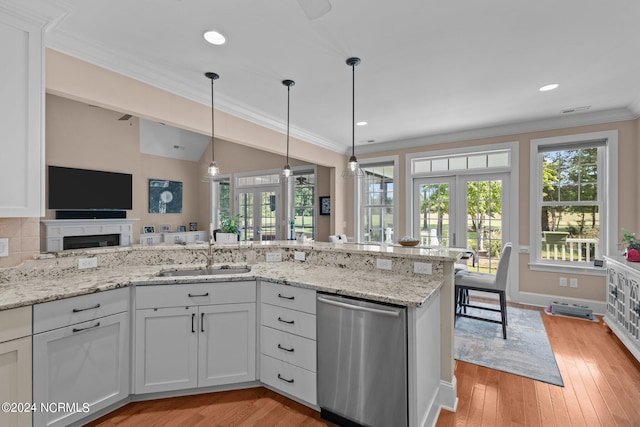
(607, 199)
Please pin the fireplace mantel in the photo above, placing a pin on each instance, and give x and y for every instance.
(55, 230)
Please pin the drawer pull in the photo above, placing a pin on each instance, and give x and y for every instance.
(288, 322)
(286, 297)
(280, 377)
(199, 295)
(201, 322)
(84, 329)
(78, 310)
(193, 316)
(290, 350)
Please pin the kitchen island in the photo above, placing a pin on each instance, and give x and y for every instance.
(345, 269)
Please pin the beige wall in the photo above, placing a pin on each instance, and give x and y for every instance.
(24, 239)
(590, 287)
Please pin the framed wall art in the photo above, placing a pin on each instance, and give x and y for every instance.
(165, 196)
(325, 205)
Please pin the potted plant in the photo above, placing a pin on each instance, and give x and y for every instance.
(633, 246)
(229, 232)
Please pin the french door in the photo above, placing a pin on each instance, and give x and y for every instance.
(464, 211)
(259, 213)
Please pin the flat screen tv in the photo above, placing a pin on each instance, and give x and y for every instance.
(80, 189)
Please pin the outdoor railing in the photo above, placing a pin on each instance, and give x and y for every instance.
(580, 247)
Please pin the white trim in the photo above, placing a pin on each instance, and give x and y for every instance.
(570, 269)
(544, 300)
(357, 205)
(609, 192)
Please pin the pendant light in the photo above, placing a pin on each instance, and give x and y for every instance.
(286, 170)
(213, 170)
(353, 169)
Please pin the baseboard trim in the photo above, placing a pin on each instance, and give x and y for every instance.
(448, 395)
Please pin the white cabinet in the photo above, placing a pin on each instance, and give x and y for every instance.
(288, 340)
(15, 364)
(194, 335)
(21, 116)
(80, 355)
(623, 302)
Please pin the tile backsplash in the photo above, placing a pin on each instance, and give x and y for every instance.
(24, 239)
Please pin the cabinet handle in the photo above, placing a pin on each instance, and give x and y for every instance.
(193, 329)
(78, 310)
(280, 377)
(288, 322)
(290, 350)
(286, 297)
(196, 295)
(201, 322)
(84, 329)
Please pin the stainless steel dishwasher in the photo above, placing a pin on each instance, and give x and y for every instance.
(362, 362)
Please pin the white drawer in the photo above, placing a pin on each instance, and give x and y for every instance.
(292, 321)
(289, 348)
(288, 296)
(195, 294)
(288, 378)
(15, 323)
(69, 311)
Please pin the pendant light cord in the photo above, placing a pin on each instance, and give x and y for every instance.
(288, 108)
(213, 127)
(353, 109)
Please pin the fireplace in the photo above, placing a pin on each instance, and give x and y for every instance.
(60, 234)
(93, 241)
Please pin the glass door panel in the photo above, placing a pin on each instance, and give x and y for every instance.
(433, 216)
(259, 213)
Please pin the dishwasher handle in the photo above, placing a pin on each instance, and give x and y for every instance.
(392, 313)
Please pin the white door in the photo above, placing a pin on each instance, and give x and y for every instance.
(464, 211)
(259, 210)
(166, 349)
(227, 344)
(84, 363)
(15, 380)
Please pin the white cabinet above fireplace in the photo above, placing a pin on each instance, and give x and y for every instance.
(56, 230)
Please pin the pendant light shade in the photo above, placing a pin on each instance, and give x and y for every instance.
(213, 170)
(353, 169)
(286, 170)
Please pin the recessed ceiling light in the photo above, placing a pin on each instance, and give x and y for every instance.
(549, 87)
(214, 37)
(361, 123)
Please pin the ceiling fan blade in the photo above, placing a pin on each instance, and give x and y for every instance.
(125, 117)
(314, 9)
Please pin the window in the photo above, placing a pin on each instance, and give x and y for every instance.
(375, 201)
(305, 197)
(573, 198)
(221, 197)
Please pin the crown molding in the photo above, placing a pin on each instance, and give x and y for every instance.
(580, 119)
(135, 68)
(37, 12)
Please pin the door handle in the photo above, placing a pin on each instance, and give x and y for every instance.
(290, 350)
(198, 295)
(340, 304)
(193, 316)
(84, 329)
(280, 377)
(288, 322)
(286, 297)
(201, 322)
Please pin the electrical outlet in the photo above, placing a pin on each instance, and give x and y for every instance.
(274, 257)
(4, 247)
(563, 282)
(299, 256)
(383, 264)
(87, 263)
(573, 282)
(422, 268)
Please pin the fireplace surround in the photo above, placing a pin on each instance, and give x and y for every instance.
(86, 231)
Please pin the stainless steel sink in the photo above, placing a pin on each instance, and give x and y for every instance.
(204, 272)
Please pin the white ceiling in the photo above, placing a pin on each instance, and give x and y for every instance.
(431, 70)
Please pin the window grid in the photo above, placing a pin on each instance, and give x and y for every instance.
(305, 199)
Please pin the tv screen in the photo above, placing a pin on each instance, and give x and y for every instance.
(71, 188)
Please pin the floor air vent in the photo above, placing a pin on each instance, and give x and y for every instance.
(575, 310)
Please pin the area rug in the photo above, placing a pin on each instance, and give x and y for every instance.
(526, 351)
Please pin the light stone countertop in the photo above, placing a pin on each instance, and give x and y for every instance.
(23, 286)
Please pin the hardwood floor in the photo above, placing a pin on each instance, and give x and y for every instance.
(602, 388)
(601, 384)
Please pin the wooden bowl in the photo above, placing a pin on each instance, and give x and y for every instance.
(409, 242)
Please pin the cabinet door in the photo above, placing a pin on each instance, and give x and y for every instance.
(633, 319)
(166, 349)
(227, 347)
(87, 363)
(21, 112)
(15, 379)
